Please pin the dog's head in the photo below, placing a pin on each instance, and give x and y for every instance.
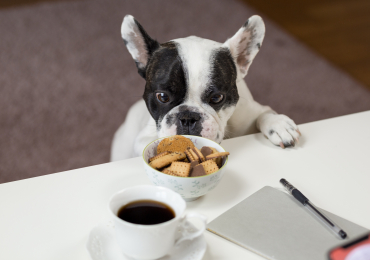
(191, 82)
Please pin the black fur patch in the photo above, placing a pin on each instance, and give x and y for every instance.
(164, 73)
(223, 80)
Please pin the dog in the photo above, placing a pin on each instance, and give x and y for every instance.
(196, 86)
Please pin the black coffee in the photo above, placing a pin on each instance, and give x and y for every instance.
(146, 212)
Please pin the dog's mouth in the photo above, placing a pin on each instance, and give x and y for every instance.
(190, 120)
(191, 124)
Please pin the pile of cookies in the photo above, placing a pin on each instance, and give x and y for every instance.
(178, 156)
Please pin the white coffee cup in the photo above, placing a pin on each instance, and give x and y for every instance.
(152, 241)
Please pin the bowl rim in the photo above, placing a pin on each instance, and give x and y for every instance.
(142, 156)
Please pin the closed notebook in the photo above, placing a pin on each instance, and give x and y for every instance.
(273, 224)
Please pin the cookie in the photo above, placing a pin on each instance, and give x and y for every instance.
(167, 159)
(217, 155)
(206, 151)
(169, 172)
(198, 171)
(199, 154)
(217, 160)
(166, 170)
(209, 166)
(194, 154)
(158, 156)
(192, 165)
(176, 143)
(191, 155)
(181, 169)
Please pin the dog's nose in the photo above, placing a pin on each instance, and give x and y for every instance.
(188, 119)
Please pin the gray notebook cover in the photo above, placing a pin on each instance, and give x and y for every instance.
(274, 225)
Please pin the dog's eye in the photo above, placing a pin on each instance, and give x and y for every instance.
(162, 97)
(217, 98)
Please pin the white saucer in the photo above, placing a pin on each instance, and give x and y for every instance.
(102, 245)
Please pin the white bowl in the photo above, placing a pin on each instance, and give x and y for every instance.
(190, 188)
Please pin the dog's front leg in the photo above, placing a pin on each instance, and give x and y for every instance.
(244, 46)
(279, 129)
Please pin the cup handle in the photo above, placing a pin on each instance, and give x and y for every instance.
(186, 227)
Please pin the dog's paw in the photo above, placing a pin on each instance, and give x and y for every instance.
(279, 129)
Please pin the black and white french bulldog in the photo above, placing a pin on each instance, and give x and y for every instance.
(195, 86)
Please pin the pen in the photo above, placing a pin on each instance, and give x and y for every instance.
(302, 199)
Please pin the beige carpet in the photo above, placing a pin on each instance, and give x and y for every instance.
(67, 80)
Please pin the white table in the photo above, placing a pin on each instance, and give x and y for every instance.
(50, 217)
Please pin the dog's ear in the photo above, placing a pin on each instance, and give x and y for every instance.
(140, 45)
(245, 44)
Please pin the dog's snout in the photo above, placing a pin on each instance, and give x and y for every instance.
(188, 119)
